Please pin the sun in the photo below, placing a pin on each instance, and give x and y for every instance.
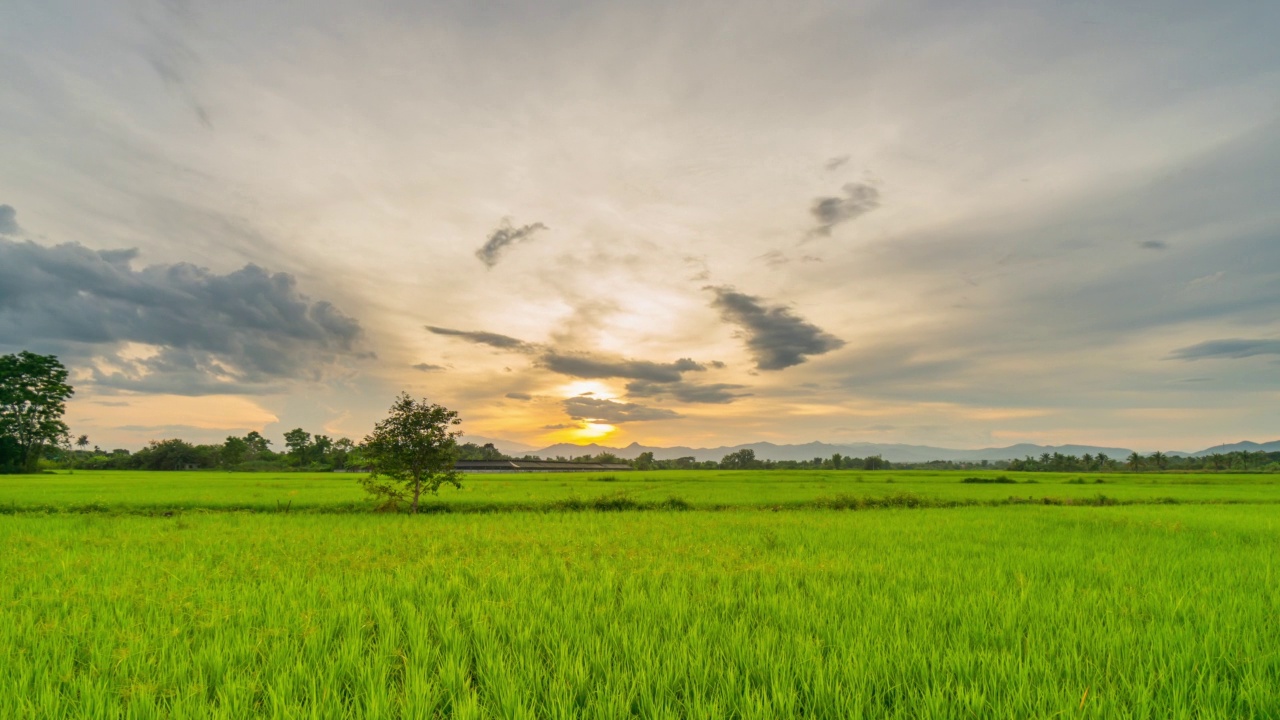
(594, 431)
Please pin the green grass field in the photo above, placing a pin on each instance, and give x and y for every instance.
(1007, 611)
(152, 492)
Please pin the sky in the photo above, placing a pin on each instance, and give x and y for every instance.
(964, 224)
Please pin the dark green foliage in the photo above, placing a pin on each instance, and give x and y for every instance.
(33, 398)
(1003, 480)
(411, 452)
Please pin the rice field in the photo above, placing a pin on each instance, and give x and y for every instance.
(158, 492)
(1010, 611)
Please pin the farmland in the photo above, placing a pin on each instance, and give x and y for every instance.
(303, 603)
(150, 492)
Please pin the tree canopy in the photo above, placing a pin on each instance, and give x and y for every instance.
(411, 452)
(33, 399)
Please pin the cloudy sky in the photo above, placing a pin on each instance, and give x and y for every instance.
(952, 223)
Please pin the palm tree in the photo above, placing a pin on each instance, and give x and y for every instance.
(1135, 461)
(82, 442)
(1159, 459)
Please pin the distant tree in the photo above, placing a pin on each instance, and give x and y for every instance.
(82, 442)
(234, 450)
(411, 452)
(299, 442)
(644, 461)
(33, 398)
(171, 454)
(1135, 461)
(342, 453)
(258, 445)
(874, 462)
(321, 446)
(743, 459)
(836, 461)
(1160, 460)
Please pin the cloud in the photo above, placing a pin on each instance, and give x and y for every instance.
(611, 412)
(428, 367)
(502, 238)
(1234, 348)
(562, 426)
(1153, 245)
(501, 342)
(519, 396)
(711, 393)
(586, 366)
(858, 199)
(835, 163)
(9, 220)
(250, 330)
(775, 336)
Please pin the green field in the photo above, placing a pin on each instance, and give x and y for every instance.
(1162, 610)
(153, 492)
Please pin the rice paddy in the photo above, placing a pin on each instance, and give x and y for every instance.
(281, 596)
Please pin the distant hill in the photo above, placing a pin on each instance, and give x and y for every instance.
(1246, 446)
(808, 451)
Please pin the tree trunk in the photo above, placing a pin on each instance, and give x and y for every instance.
(417, 490)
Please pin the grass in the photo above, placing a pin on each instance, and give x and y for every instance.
(157, 493)
(1155, 612)
(1033, 609)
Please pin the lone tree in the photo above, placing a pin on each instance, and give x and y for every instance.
(411, 452)
(33, 398)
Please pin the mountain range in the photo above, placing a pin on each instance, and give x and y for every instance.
(890, 452)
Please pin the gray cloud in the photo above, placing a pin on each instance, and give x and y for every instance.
(246, 331)
(1153, 245)
(9, 220)
(776, 337)
(835, 163)
(647, 376)
(587, 366)
(502, 342)
(711, 393)
(1233, 348)
(428, 367)
(858, 199)
(519, 396)
(503, 237)
(612, 412)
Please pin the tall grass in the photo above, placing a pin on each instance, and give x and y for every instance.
(1031, 611)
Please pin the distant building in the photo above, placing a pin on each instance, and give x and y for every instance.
(518, 466)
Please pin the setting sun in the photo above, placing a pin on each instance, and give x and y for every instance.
(594, 431)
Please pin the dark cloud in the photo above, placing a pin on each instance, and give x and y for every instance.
(246, 331)
(600, 410)
(1234, 348)
(587, 366)
(519, 396)
(858, 199)
(774, 258)
(505, 236)
(776, 337)
(562, 426)
(712, 393)
(1153, 245)
(501, 342)
(835, 163)
(428, 367)
(9, 220)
